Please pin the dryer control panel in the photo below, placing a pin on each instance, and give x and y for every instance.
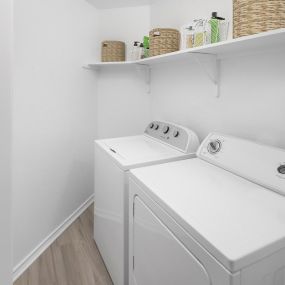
(174, 135)
(264, 165)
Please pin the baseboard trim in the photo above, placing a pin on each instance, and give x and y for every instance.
(20, 268)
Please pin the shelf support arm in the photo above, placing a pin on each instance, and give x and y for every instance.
(147, 73)
(92, 68)
(211, 65)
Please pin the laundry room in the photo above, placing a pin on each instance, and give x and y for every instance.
(143, 142)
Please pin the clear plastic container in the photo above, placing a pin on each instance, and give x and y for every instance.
(187, 36)
(201, 36)
(223, 30)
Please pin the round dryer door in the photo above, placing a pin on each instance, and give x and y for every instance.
(159, 257)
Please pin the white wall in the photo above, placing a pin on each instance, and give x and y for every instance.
(123, 24)
(124, 105)
(53, 116)
(109, 4)
(252, 87)
(55, 112)
(5, 141)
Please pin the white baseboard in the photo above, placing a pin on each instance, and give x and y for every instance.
(19, 269)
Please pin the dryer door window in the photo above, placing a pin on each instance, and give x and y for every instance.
(159, 257)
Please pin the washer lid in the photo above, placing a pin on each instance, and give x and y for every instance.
(130, 152)
(237, 221)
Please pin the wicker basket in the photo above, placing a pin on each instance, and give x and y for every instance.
(163, 41)
(113, 51)
(256, 16)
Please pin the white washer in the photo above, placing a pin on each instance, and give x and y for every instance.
(162, 142)
(218, 219)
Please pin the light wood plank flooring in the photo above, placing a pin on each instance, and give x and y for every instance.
(73, 259)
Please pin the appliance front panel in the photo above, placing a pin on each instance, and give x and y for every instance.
(159, 257)
(163, 216)
(203, 198)
(268, 271)
(109, 214)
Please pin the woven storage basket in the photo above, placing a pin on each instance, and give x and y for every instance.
(163, 41)
(113, 51)
(256, 16)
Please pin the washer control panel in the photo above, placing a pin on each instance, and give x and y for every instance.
(174, 135)
(259, 163)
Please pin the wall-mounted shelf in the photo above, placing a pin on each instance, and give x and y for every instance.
(267, 41)
(264, 42)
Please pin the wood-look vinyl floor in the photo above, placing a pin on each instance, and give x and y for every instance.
(73, 259)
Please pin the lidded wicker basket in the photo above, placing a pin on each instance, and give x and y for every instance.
(113, 51)
(256, 16)
(163, 41)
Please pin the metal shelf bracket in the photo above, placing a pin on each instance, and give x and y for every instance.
(211, 65)
(93, 68)
(147, 75)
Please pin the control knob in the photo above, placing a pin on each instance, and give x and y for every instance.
(281, 169)
(176, 134)
(165, 130)
(214, 146)
(156, 127)
(151, 125)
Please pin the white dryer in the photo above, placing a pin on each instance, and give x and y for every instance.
(162, 142)
(218, 219)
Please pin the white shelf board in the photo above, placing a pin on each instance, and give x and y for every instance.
(98, 65)
(263, 42)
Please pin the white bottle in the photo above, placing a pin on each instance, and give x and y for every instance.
(141, 51)
(135, 51)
